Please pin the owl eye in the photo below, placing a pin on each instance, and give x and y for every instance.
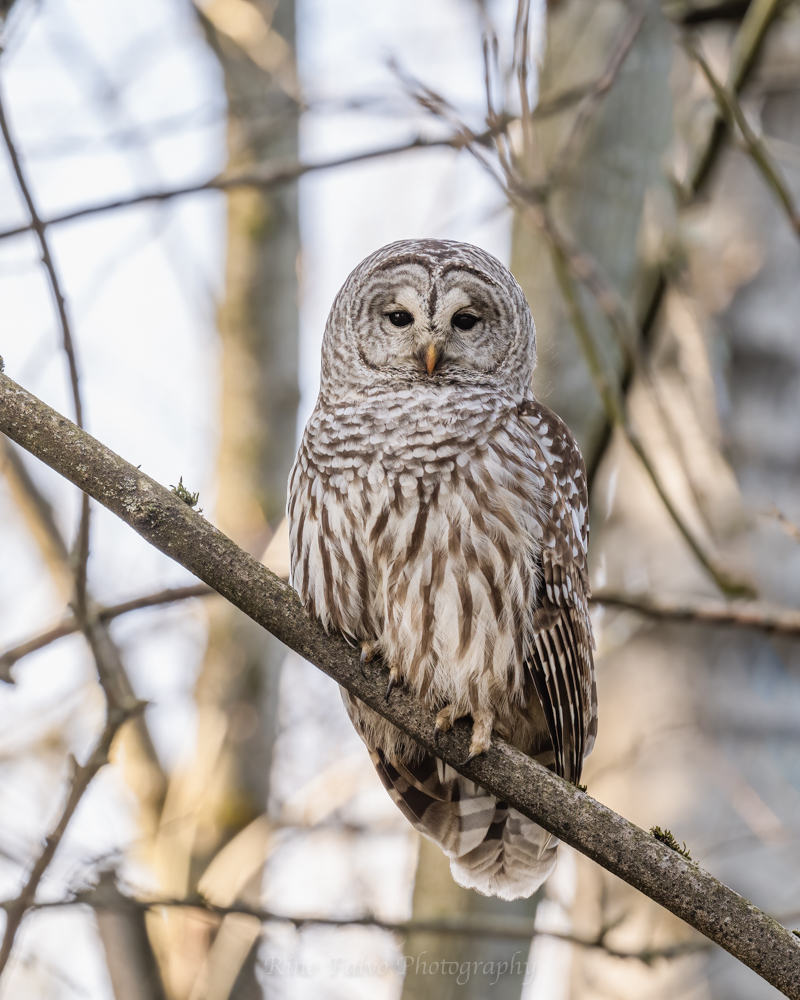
(464, 321)
(400, 318)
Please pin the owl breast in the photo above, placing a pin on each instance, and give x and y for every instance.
(420, 531)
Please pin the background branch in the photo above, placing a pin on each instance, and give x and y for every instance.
(781, 621)
(731, 110)
(264, 177)
(81, 779)
(486, 926)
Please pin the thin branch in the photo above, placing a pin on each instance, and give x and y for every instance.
(781, 621)
(39, 228)
(81, 779)
(80, 553)
(613, 404)
(111, 671)
(731, 109)
(561, 808)
(509, 929)
(264, 177)
(70, 625)
(746, 48)
(726, 10)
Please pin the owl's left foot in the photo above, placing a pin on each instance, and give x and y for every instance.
(481, 734)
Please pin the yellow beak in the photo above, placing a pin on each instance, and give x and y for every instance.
(431, 357)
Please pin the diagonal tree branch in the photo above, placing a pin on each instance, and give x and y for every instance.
(185, 536)
(731, 110)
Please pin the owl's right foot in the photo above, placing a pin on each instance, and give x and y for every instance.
(445, 719)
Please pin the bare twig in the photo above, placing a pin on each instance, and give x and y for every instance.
(80, 554)
(731, 109)
(485, 927)
(781, 621)
(568, 259)
(747, 47)
(267, 176)
(39, 228)
(81, 779)
(70, 624)
(561, 808)
(615, 414)
(111, 670)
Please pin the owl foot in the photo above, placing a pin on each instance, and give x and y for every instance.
(395, 680)
(445, 719)
(369, 651)
(481, 734)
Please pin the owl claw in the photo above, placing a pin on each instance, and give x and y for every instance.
(395, 680)
(368, 651)
(481, 734)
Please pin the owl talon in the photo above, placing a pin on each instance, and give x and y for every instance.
(368, 651)
(481, 734)
(395, 680)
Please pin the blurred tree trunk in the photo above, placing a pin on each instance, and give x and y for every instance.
(214, 830)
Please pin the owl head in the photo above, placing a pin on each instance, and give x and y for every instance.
(429, 312)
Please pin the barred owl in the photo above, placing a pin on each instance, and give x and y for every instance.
(438, 518)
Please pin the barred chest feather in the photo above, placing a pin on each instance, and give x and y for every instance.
(418, 524)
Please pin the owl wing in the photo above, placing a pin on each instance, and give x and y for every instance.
(559, 653)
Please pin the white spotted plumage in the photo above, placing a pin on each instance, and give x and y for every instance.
(438, 515)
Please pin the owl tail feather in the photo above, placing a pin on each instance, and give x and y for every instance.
(492, 848)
